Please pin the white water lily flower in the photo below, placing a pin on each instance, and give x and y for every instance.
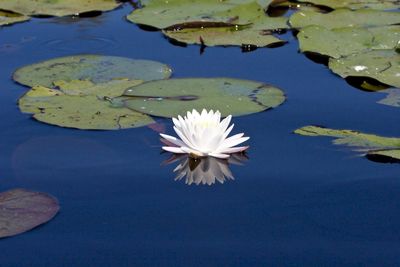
(204, 135)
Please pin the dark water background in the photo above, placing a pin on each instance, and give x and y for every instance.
(299, 201)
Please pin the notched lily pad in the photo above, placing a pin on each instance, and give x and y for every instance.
(57, 8)
(212, 23)
(381, 65)
(345, 18)
(346, 41)
(22, 210)
(7, 18)
(368, 144)
(169, 98)
(95, 68)
(162, 14)
(79, 105)
(356, 4)
(225, 37)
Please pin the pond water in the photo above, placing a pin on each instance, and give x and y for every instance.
(297, 201)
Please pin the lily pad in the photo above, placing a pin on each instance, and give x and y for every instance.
(381, 65)
(356, 4)
(7, 18)
(341, 18)
(224, 37)
(368, 143)
(162, 14)
(57, 8)
(170, 98)
(346, 41)
(22, 210)
(95, 68)
(82, 107)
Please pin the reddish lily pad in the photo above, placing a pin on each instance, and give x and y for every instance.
(22, 210)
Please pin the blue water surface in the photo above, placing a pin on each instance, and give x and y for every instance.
(298, 201)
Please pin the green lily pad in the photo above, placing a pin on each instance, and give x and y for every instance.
(7, 18)
(368, 143)
(22, 210)
(224, 37)
(381, 65)
(79, 105)
(341, 18)
(162, 14)
(170, 98)
(356, 4)
(346, 41)
(95, 68)
(392, 98)
(57, 8)
(389, 155)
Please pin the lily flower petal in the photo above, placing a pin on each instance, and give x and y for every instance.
(204, 134)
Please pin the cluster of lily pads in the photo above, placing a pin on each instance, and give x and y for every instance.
(360, 37)
(105, 92)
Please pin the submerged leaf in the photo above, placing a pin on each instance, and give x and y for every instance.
(370, 144)
(344, 18)
(76, 106)
(22, 210)
(392, 99)
(170, 98)
(346, 41)
(95, 68)
(381, 65)
(7, 18)
(57, 8)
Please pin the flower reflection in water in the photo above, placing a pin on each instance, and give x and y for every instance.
(206, 170)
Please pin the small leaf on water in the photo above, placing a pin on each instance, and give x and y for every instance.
(22, 210)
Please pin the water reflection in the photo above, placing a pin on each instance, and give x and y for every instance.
(205, 171)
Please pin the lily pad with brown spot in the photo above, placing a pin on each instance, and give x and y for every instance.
(57, 8)
(173, 97)
(75, 106)
(95, 68)
(22, 210)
